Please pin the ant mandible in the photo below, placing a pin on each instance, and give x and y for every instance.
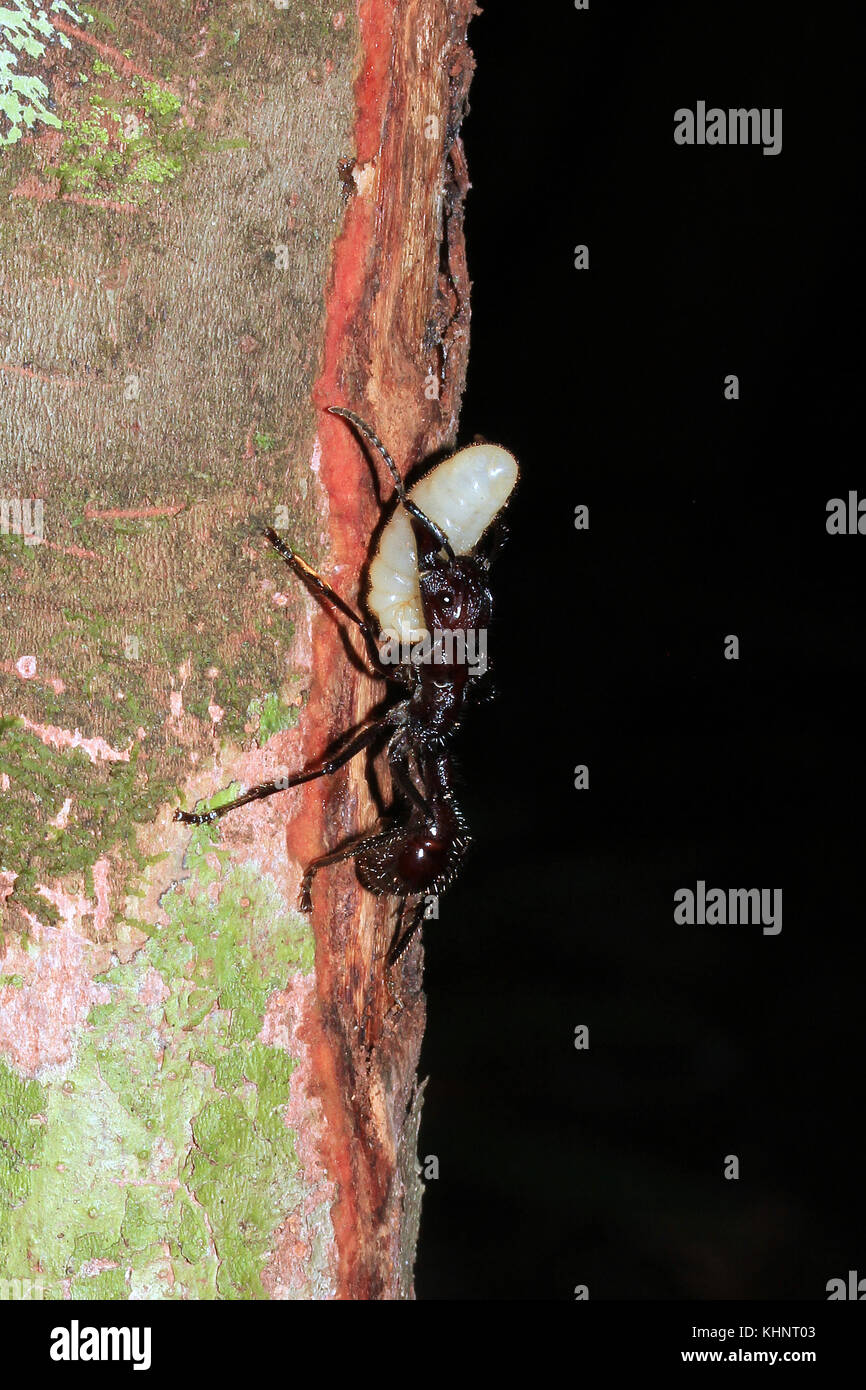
(429, 595)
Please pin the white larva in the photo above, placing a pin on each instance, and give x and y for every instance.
(462, 495)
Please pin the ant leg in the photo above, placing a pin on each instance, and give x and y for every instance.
(382, 838)
(404, 937)
(401, 777)
(324, 861)
(494, 539)
(281, 784)
(403, 782)
(402, 940)
(323, 590)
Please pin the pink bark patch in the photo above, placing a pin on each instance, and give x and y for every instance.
(33, 187)
(284, 1025)
(96, 749)
(153, 989)
(40, 1022)
(26, 667)
(102, 886)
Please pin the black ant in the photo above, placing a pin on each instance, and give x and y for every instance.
(430, 598)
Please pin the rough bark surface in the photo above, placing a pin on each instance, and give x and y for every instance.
(216, 220)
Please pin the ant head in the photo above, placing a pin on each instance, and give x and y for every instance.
(454, 593)
(433, 573)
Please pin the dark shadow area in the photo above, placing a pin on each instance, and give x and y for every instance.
(707, 518)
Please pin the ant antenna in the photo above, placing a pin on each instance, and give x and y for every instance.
(363, 428)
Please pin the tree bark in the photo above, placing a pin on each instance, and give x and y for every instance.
(217, 220)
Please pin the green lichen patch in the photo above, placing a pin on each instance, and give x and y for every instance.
(129, 134)
(21, 1138)
(230, 954)
(128, 138)
(274, 715)
(25, 31)
(174, 1114)
(99, 17)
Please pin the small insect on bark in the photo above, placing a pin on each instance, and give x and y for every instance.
(428, 607)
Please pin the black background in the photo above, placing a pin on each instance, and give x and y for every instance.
(707, 517)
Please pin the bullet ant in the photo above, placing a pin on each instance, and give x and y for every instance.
(429, 576)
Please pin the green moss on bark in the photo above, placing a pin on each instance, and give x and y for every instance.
(111, 800)
(174, 1112)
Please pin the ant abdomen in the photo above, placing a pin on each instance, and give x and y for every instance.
(419, 857)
